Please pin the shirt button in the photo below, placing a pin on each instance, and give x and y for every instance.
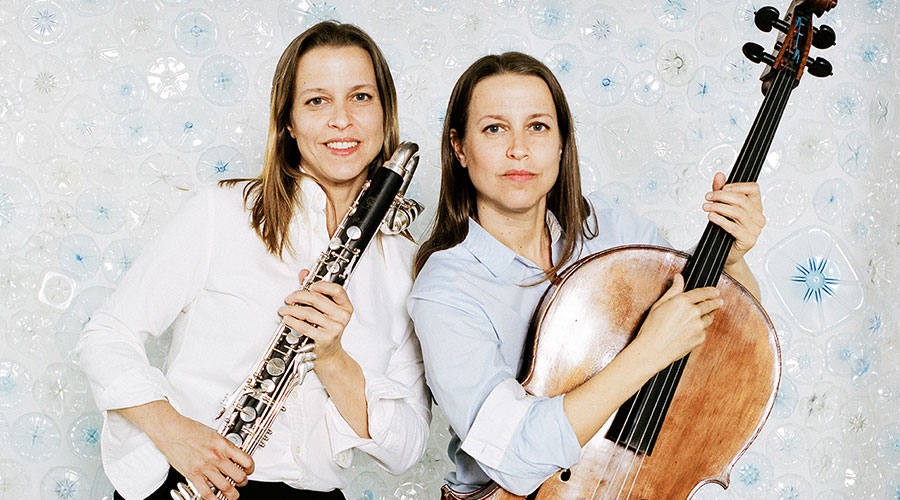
(295, 394)
(343, 459)
(297, 451)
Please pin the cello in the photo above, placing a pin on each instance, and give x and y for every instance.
(689, 424)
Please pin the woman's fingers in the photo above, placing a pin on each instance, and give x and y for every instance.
(221, 483)
(231, 470)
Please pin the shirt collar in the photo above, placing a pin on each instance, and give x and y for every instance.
(496, 256)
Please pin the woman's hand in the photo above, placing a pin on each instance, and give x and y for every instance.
(736, 208)
(321, 313)
(676, 323)
(193, 449)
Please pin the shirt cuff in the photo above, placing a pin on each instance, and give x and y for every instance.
(489, 437)
(380, 393)
(133, 388)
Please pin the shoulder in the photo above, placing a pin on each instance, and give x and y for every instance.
(447, 276)
(399, 252)
(619, 225)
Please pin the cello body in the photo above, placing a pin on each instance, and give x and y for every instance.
(720, 395)
(726, 391)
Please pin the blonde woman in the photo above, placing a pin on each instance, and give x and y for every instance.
(228, 262)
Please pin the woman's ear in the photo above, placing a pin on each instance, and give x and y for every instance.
(290, 130)
(457, 147)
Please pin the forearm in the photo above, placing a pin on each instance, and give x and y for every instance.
(343, 379)
(152, 417)
(740, 271)
(590, 405)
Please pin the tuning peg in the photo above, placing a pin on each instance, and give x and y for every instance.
(819, 67)
(756, 53)
(823, 37)
(766, 18)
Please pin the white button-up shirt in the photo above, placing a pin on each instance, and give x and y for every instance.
(208, 276)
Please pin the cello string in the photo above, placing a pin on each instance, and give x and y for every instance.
(709, 265)
(706, 268)
(643, 401)
(755, 155)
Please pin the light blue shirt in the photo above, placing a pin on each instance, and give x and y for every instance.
(471, 315)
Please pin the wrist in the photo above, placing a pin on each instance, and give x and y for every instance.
(333, 362)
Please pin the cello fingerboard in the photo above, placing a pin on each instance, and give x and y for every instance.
(638, 421)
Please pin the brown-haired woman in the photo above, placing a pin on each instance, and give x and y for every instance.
(510, 215)
(217, 273)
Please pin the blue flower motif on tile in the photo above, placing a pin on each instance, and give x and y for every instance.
(84, 435)
(751, 475)
(739, 75)
(846, 105)
(137, 133)
(855, 153)
(831, 200)
(565, 60)
(877, 11)
(35, 436)
(123, 90)
(44, 22)
(223, 80)
(65, 483)
(195, 32)
(814, 279)
(79, 256)
(607, 82)
(640, 45)
(550, 19)
(675, 15)
(100, 211)
(869, 56)
(599, 30)
(221, 162)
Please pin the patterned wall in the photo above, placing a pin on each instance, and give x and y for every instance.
(112, 110)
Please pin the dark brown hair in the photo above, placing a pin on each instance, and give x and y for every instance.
(456, 202)
(272, 195)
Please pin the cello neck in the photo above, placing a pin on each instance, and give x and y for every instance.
(706, 264)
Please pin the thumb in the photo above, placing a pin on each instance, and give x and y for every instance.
(302, 275)
(719, 181)
(675, 288)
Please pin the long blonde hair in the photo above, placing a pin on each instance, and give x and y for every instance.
(271, 196)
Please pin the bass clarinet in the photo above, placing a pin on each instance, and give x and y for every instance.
(247, 413)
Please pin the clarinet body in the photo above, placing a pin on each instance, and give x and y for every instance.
(247, 413)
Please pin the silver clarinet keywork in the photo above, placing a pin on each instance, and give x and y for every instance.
(248, 412)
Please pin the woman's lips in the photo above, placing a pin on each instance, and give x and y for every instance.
(342, 147)
(519, 175)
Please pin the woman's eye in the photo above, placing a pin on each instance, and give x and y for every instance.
(362, 97)
(316, 101)
(492, 129)
(539, 127)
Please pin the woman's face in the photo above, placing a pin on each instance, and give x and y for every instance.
(512, 145)
(336, 118)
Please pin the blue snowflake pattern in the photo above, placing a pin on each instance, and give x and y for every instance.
(550, 19)
(66, 488)
(195, 32)
(44, 21)
(874, 323)
(748, 475)
(818, 285)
